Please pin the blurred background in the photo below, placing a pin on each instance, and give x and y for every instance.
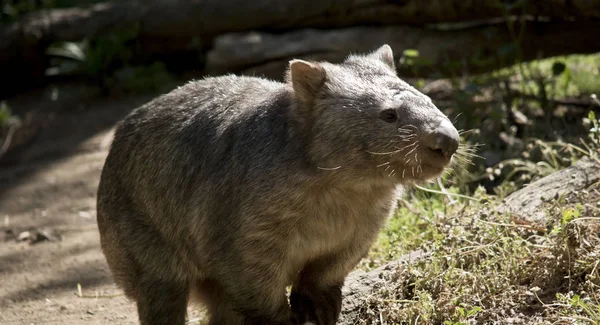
(517, 77)
(506, 71)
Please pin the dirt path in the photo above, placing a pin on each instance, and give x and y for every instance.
(54, 187)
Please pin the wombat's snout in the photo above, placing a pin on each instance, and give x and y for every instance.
(443, 139)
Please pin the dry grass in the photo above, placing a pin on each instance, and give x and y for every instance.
(487, 267)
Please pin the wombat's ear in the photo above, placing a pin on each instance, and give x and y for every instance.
(306, 78)
(386, 55)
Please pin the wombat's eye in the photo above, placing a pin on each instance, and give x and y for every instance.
(389, 115)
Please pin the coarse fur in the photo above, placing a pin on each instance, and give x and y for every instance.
(232, 188)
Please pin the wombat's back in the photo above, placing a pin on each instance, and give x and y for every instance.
(186, 154)
(216, 128)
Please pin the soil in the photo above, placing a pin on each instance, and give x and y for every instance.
(49, 188)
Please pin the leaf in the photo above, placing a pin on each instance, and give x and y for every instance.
(412, 53)
(567, 216)
(474, 311)
(4, 113)
(68, 50)
(558, 68)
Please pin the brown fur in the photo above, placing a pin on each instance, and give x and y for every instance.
(233, 188)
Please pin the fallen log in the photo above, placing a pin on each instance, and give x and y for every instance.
(360, 285)
(23, 43)
(441, 53)
(212, 17)
(527, 203)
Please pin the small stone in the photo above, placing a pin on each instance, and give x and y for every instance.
(23, 236)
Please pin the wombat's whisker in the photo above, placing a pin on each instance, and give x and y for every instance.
(383, 153)
(406, 136)
(465, 132)
(381, 165)
(419, 169)
(413, 149)
(329, 168)
(456, 117)
(469, 155)
(413, 170)
(404, 130)
(400, 150)
(464, 160)
(402, 140)
(459, 165)
(468, 151)
(407, 146)
(403, 170)
(475, 146)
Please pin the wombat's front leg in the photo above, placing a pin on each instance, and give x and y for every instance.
(263, 307)
(317, 295)
(256, 292)
(316, 305)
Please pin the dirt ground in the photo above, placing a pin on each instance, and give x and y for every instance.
(50, 187)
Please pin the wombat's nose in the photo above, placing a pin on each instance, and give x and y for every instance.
(444, 139)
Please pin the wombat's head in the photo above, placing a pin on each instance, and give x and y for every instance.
(360, 115)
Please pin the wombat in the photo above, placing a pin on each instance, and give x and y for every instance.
(231, 188)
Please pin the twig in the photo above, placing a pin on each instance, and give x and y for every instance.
(13, 125)
(445, 193)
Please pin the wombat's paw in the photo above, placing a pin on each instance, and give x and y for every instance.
(316, 308)
(302, 308)
(264, 321)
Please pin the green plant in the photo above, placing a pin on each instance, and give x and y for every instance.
(593, 123)
(5, 114)
(462, 315)
(108, 60)
(583, 310)
(96, 57)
